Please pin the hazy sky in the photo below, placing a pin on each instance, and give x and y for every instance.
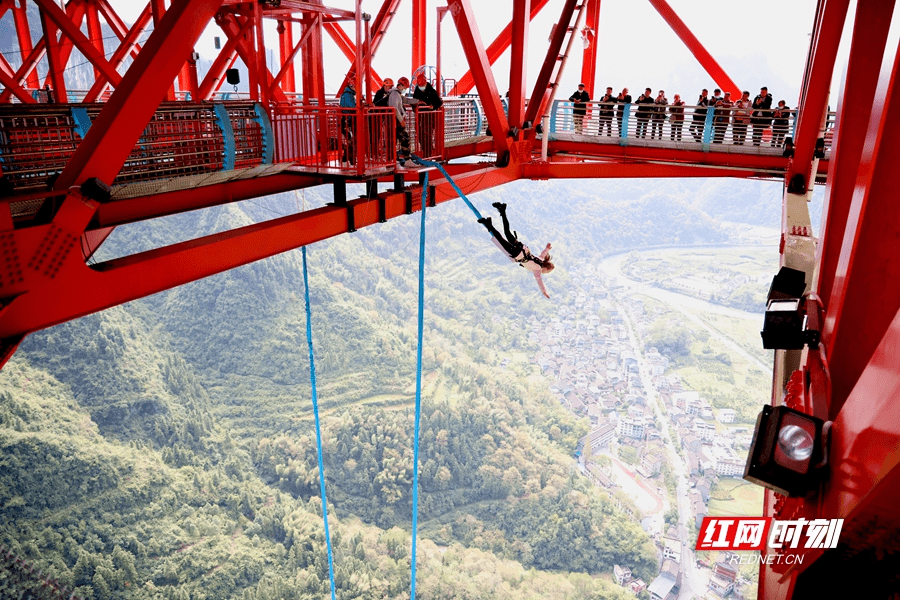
(757, 44)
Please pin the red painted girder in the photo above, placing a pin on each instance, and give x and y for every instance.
(226, 57)
(604, 170)
(56, 57)
(823, 52)
(84, 45)
(481, 146)
(13, 88)
(116, 130)
(517, 68)
(118, 26)
(419, 34)
(23, 33)
(348, 49)
(75, 10)
(6, 69)
(464, 18)
(127, 46)
(696, 157)
(870, 30)
(498, 47)
(246, 50)
(865, 296)
(286, 52)
(131, 210)
(287, 66)
(78, 290)
(379, 26)
(693, 44)
(589, 56)
(542, 89)
(95, 33)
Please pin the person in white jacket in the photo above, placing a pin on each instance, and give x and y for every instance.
(517, 251)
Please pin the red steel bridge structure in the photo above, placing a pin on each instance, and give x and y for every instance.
(150, 138)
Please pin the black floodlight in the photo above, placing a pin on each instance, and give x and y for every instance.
(787, 447)
(788, 283)
(819, 152)
(232, 76)
(783, 328)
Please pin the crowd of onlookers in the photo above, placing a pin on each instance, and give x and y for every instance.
(652, 112)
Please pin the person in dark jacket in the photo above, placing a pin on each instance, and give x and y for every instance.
(605, 113)
(622, 101)
(425, 92)
(698, 121)
(781, 116)
(722, 117)
(659, 116)
(383, 92)
(580, 108)
(348, 129)
(644, 111)
(426, 121)
(762, 114)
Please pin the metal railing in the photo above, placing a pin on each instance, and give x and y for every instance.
(710, 129)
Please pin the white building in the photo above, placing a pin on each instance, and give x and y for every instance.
(726, 415)
(631, 427)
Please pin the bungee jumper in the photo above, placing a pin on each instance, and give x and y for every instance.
(517, 251)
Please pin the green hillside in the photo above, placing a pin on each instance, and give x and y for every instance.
(165, 449)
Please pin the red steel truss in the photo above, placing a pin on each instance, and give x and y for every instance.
(154, 117)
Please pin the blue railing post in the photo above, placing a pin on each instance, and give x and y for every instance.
(478, 121)
(708, 127)
(268, 138)
(553, 110)
(623, 132)
(224, 123)
(82, 120)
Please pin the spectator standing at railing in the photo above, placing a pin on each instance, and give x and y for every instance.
(698, 121)
(383, 92)
(605, 112)
(676, 121)
(742, 110)
(644, 111)
(398, 101)
(348, 131)
(659, 116)
(623, 100)
(780, 123)
(722, 117)
(762, 114)
(716, 97)
(426, 123)
(579, 108)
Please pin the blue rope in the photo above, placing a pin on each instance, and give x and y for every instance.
(440, 167)
(415, 491)
(315, 403)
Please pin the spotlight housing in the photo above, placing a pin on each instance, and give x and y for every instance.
(787, 448)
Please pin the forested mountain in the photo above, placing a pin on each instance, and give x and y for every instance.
(165, 449)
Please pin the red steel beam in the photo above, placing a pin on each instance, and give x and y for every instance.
(55, 62)
(826, 38)
(870, 31)
(127, 46)
(95, 33)
(13, 88)
(118, 26)
(612, 170)
(78, 289)
(542, 88)
(51, 11)
(419, 35)
(589, 57)
(693, 44)
(286, 53)
(76, 12)
(226, 57)
(518, 62)
(865, 295)
(498, 47)
(246, 50)
(113, 135)
(348, 49)
(379, 26)
(23, 32)
(481, 69)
